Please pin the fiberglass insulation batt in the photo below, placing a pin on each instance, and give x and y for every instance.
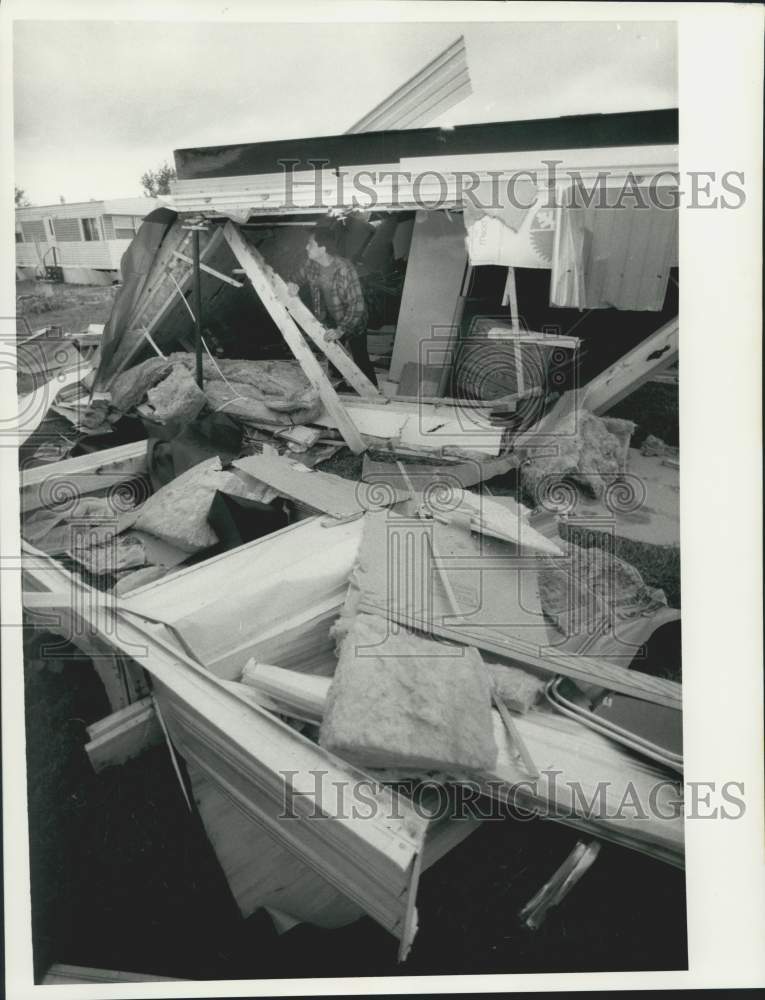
(407, 701)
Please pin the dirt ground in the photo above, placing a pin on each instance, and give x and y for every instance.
(124, 878)
(72, 306)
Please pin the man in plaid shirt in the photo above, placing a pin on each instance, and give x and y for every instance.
(336, 294)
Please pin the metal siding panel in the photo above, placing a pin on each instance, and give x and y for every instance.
(647, 281)
(429, 86)
(656, 277)
(600, 223)
(627, 263)
(27, 255)
(34, 231)
(456, 90)
(635, 260)
(617, 251)
(117, 250)
(85, 254)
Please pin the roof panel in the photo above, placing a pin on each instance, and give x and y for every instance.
(632, 128)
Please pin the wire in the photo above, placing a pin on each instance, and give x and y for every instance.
(204, 344)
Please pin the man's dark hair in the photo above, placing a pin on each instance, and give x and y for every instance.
(325, 234)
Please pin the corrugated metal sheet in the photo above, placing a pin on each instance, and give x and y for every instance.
(444, 82)
(627, 255)
(67, 230)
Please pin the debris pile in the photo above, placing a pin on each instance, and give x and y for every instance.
(590, 457)
(419, 615)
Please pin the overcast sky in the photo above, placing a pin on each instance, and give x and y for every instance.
(98, 102)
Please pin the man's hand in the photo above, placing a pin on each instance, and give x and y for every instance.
(331, 336)
(292, 288)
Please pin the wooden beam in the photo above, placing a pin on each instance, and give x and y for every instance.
(210, 270)
(317, 332)
(245, 254)
(637, 366)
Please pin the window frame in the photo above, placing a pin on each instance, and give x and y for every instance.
(92, 226)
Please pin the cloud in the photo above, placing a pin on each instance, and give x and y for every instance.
(98, 102)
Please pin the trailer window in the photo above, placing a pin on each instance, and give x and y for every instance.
(90, 230)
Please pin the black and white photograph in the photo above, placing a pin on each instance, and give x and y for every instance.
(381, 497)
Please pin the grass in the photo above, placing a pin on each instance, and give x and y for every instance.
(74, 307)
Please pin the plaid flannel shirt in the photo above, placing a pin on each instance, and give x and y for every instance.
(345, 306)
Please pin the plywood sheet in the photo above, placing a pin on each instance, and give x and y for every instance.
(431, 297)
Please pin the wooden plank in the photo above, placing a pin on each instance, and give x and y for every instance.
(123, 735)
(515, 736)
(426, 476)
(302, 695)
(431, 304)
(317, 332)
(45, 485)
(61, 974)
(423, 427)
(320, 491)
(503, 404)
(637, 366)
(210, 270)
(308, 362)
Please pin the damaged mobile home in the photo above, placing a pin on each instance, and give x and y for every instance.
(300, 579)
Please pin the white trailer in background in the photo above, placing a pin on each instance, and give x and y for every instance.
(84, 240)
